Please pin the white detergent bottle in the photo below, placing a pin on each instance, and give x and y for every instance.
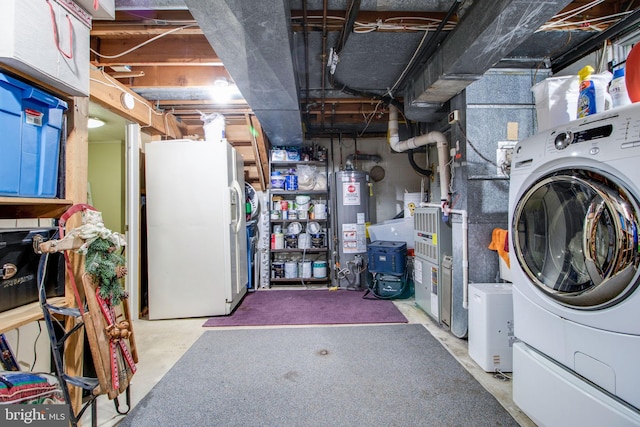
(618, 89)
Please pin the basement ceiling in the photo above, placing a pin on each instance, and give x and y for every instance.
(417, 54)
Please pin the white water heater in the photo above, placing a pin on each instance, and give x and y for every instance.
(352, 217)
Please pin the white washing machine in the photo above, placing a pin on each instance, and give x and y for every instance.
(574, 212)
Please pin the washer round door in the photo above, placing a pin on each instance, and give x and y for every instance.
(575, 235)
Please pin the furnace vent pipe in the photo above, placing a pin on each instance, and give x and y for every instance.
(419, 141)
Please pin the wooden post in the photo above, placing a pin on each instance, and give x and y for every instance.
(76, 161)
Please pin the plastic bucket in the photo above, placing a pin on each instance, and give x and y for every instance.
(320, 269)
(304, 241)
(291, 240)
(277, 181)
(302, 202)
(304, 269)
(317, 240)
(320, 211)
(290, 270)
(291, 182)
(277, 270)
(277, 241)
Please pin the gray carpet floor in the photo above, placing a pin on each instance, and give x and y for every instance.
(380, 375)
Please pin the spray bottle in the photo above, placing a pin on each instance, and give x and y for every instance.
(587, 94)
(593, 96)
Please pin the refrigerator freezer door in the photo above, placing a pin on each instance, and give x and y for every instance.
(192, 252)
(237, 230)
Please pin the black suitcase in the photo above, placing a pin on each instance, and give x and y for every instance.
(19, 266)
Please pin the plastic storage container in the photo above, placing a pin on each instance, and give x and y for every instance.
(393, 230)
(387, 257)
(556, 101)
(31, 121)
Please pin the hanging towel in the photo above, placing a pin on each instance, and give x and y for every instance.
(500, 243)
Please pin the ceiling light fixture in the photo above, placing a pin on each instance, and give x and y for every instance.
(95, 122)
(222, 91)
(127, 100)
(221, 82)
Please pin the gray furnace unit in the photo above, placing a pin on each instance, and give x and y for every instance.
(433, 250)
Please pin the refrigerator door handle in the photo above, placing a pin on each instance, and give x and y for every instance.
(236, 187)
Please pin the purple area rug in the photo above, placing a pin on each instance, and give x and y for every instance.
(309, 307)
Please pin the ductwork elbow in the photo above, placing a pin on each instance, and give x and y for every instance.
(437, 138)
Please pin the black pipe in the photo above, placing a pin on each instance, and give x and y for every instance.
(305, 34)
(347, 28)
(416, 167)
(325, 7)
(360, 156)
(366, 94)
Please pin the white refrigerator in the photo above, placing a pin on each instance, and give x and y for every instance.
(196, 228)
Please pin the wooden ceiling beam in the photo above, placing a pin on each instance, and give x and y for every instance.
(184, 76)
(157, 17)
(177, 49)
(107, 92)
(119, 31)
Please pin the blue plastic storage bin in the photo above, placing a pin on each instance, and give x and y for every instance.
(387, 257)
(31, 121)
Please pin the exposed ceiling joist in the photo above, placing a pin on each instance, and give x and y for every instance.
(266, 45)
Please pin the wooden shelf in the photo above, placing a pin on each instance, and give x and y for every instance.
(24, 314)
(32, 207)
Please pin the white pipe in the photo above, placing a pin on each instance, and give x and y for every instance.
(418, 141)
(465, 248)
